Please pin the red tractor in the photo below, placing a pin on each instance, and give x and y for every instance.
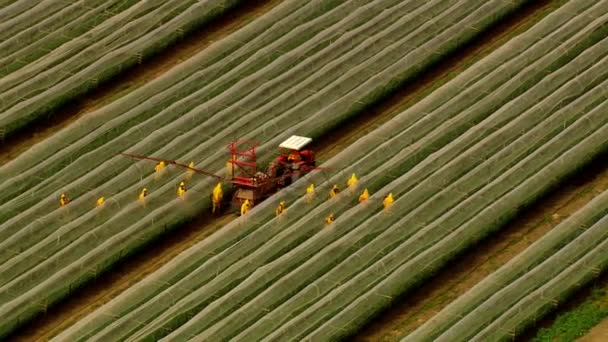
(254, 185)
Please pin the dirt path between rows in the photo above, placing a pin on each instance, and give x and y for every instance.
(158, 253)
(134, 77)
(597, 334)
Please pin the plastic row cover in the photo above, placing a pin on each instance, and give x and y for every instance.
(527, 273)
(446, 199)
(85, 243)
(36, 88)
(338, 107)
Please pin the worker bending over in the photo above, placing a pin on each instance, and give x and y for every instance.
(181, 189)
(364, 196)
(100, 201)
(281, 208)
(334, 191)
(388, 201)
(63, 200)
(245, 207)
(143, 193)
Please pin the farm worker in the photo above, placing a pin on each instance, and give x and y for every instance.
(160, 166)
(352, 181)
(310, 192)
(364, 196)
(100, 201)
(143, 193)
(388, 201)
(181, 189)
(281, 208)
(190, 171)
(245, 207)
(334, 191)
(216, 198)
(330, 219)
(63, 200)
(310, 189)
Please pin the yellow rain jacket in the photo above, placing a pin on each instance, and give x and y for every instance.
(216, 197)
(245, 207)
(388, 201)
(181, 189)
(364, 196)
(143, 193)
(352, 181)
(280, 209)
(334, 191)
(160, 166)
(100, 201)
(63, 200)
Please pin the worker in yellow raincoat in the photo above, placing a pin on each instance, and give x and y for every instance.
(281, 208)
(352, 182)
(159, 170)
(190, 172)
(216, 198)
(245, 207)
(63, 200)
(330, 219)
(388, 201)
(334, 191)
(310, 193)
(160, 166)
(181, 189)
(364, 196)
(143, 194)
(100, 201)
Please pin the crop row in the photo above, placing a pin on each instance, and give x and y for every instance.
(58, 50)
(260, 74)
(256, 264)
(530, 285)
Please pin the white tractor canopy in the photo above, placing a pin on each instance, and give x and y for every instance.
(295, 142)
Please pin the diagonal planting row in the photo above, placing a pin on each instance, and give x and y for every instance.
(530, 285)
(260, 74)
(257, 274)
(72, 46)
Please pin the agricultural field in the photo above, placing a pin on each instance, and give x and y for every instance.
(475, 129)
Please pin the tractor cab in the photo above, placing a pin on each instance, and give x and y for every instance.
(293, 152)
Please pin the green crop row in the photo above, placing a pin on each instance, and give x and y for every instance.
(154, 308)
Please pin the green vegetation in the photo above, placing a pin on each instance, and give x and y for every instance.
(576, 322)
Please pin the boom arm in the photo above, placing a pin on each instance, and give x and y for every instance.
(173, 162)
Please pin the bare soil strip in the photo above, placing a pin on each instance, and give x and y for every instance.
(110, 285)
(129, 80)
(597, 334)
